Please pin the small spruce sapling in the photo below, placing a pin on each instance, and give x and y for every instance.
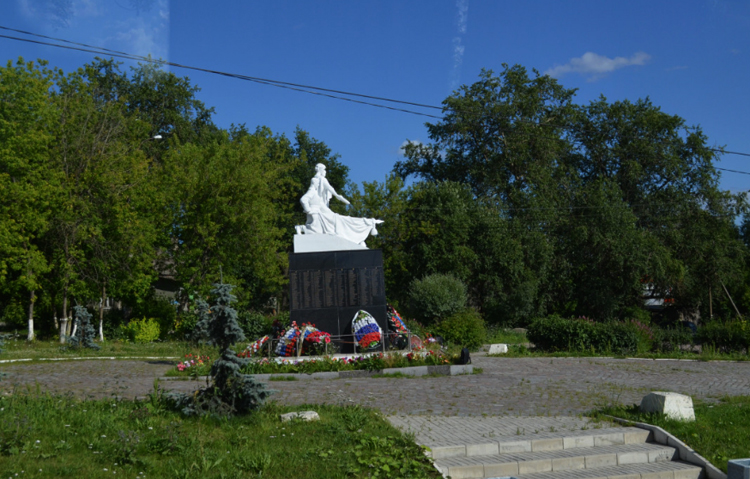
(84, 331)
(230, 392)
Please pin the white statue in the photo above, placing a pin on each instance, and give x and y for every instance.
(322, 221)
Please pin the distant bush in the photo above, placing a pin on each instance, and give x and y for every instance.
(731, 336)
(160, 308)
(436, 296)
(184, 325)
(667, 340)
(554, 333)
(254, 324)
(143, 330)
(465, 329)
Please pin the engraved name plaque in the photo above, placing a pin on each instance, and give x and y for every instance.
(328, 288)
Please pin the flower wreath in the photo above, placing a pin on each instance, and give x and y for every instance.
(367, 333)
(312, 337)
(288, 341)
(395, 321)
(253, 348)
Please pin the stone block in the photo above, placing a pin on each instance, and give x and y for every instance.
(441, 452)
(457, 369)
(514, 446)
(489, 449)
(738, 469)
(568, 463)
(637, 436)
(534, 465)
(551, 444)
(575, 442)
(302, 415)
(501, 470)
(498, 349)
(673, 405)
(611, 439)
(594, 460)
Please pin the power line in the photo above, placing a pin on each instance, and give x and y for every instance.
(733, 171)
(330, 93)
(276, 83)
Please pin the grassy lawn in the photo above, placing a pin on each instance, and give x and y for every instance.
(505, 336)
(22, 349)
(57, 436)
(708, 354)
(720, 432)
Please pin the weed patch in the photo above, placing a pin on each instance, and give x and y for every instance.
(59, 436)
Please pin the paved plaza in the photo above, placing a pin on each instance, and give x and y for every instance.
(506, 386)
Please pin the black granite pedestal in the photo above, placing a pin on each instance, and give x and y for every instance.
(329, 288)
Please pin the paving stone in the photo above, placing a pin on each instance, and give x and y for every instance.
(507, 386)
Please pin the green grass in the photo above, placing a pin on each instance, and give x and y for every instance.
(22, 349)
(708, 354)
(58, 436)
(505, 336)
(720, 432)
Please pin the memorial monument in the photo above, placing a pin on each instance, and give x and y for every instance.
(332, 273)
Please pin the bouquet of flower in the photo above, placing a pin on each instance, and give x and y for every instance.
(254, 348)
(367, 333)
(192, 361)
(288, 341)
(314, 340)
(395, 321)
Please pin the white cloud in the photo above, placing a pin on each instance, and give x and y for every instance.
(87, 8)
(458, 48)
(408, 142)
(596, 65)
(146, 33)
(463, 15)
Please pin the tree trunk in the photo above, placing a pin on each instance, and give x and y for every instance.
(64, 321)
(101, 312)
(32, 298)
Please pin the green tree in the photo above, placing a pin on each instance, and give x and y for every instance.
(105, 234)
(502, 135)
(28, 188)
(224, 213)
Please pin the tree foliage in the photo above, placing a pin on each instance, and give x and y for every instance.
(599, 199)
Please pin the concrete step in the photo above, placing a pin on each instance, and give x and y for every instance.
(554, 461)
(656, 470)
(458, 446)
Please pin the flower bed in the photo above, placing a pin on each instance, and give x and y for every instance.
(195, 365)
(370, 362)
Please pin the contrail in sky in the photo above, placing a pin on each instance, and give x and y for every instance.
(458, 47)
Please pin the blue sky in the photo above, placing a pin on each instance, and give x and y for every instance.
(691, 57)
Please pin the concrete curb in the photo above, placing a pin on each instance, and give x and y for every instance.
(8, 361)
(414, 371)
(686, 453)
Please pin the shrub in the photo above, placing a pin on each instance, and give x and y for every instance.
(554, 333)
(667, 340)
(436, 296)
(254, 324)
(732, 336)
(465, 329)
(184, 325)
(160, 308)
(143, 330)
